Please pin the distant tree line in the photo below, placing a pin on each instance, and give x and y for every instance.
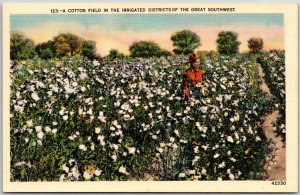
(68, 44)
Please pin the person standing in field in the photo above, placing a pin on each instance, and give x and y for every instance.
(192, 76)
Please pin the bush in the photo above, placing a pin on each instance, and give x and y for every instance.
(89, 49)
(145, 49)
(46, 50)
(21, 48)
(227, 43)
(255, 44)
(185, 42)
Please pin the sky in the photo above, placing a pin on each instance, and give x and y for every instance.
(119, 31)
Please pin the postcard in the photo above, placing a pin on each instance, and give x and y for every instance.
(150, 97)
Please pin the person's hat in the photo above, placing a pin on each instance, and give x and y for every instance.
(193, 58)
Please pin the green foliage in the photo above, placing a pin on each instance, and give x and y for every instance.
(165, 53)
(115, 54)
(185, 42)
(68, 44)
(46, 50)
(21, 48)
(255, 44)
(145, 49)
(227, 43)
(89, 49)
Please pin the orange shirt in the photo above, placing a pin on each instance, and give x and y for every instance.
(193, 76)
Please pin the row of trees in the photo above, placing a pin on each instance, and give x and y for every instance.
(67, 44)
(62, 45)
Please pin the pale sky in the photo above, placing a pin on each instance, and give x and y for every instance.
(119, 31)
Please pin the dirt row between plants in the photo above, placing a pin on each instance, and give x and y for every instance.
(276, 162)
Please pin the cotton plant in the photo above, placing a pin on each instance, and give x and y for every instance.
(119, 118)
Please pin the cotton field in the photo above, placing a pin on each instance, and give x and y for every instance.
(72, 120)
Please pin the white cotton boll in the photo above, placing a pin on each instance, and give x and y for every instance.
(38, 128)
(126, 117)
(172, 139)
(80, 111)
(115, 122)
(154, 136)
(181, 175)
(192, 172)
(54, 131)
(203, 171)
(216, 155)
(204, 109)
(123, 170)
(65, 117)
(115, 146)
(236, 135)
(62, 177)
(114, 157)
(237, 117)
(257, 138)
(119, 133)
(83, 89)
(29, 131)
(176, 132)
(40, 135)
(178, 114)
(47, 129)
(228, 171)
(160, 150)
(231, 176)
(223, 87)
(196, 149)
(230, 139)
(29, 123)
(65, 168)
(131, 150)
(87, 175)
(219, 179)
(97, 130)
(35, 97)
(90, 111)
(74, 84)
(98, 172)
(204, 147)
(101, 139)
(222, 165)
(40, 142)
(82, 147)
(92, 146)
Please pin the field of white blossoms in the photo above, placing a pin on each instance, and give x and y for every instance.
(274, 67)
(126, 120)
